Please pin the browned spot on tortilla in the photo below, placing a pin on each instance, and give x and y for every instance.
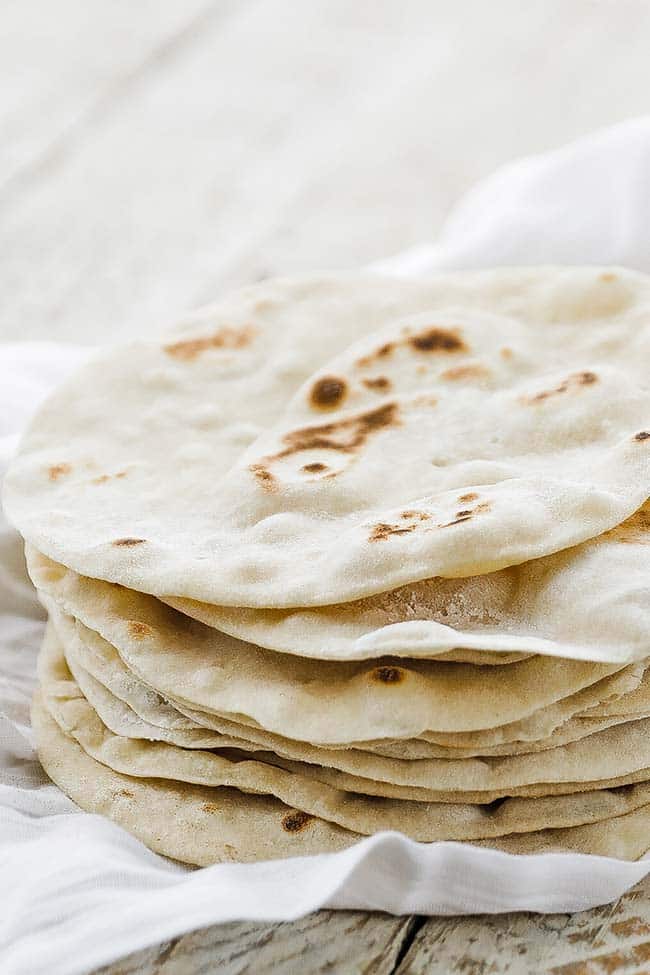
(58, 470)
(642, 435)
(383, 530)
(127, 542)
(138, 629)
(473, 370)
(607, 276)
(346, 435)
(466, 514)
(388, 675)
(506, 353)
(380, 384)
(263, 476)
(466, 498)
(210, 807)
(107, 477)
(315, 468)
(381, 353)
(328, 393)
(123, 794)
(424, 400)
(296, 821)
(634, 530)
(224, 338)
(456, 521)
(438, 339)
(574, 381)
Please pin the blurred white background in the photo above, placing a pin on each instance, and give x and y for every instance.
(156, 153)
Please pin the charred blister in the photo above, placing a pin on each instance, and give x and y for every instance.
(436, 339)
(295, 821)
(388, 675)
(263, 476)
(328, 393)
(575, 381)
(378, 384)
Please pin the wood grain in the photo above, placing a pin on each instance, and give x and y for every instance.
(327, 942)
(159, 153)
(610, 940)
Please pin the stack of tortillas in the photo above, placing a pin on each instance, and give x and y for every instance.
(345, 554)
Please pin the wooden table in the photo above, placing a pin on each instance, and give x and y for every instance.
(156, 153)
(612, 940)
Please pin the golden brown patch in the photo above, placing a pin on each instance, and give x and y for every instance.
(108, 477)
(346, 435)
(296, 821)
(634, 530)
(127, 542)
(424, 400)
(506, 353)
(466, 498)
(437, 339)
(471, 371)
(263, 476)
(210, 807)
(328, 393)
(381, 353)
(642, 435)
(224, 338)
(466, 513)
(383, 530)
(58, 470)
(138, 629)
(574, 381)
(388, 675)
(457, 520)
(379, 384)
(123, 794)
(315, 468)
(607, 277)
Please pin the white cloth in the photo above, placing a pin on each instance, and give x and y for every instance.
(76, 891)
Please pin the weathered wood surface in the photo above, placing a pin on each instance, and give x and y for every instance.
(155, 153)
(611, 940)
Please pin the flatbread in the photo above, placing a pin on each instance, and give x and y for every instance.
(193, 824)
(422, 821)
(107, 684)
(587, 603)
(552, 438)
(607, 756)
(303, 699)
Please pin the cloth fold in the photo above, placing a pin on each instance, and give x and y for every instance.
(79, 892)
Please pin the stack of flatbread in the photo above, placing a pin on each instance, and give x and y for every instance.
(344, 554)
